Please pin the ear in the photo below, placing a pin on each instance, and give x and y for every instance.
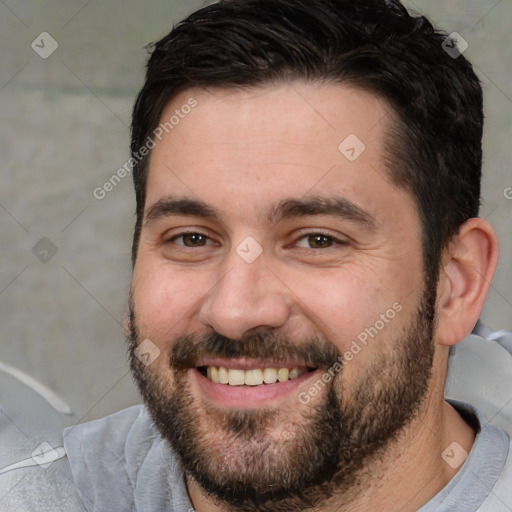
(468, 266)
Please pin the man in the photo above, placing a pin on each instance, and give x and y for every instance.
(306, 252)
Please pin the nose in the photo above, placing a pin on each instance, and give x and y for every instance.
(248, 297)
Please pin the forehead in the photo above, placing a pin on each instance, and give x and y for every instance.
(254, 146)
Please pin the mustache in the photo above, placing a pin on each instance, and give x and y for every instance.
(188, 350)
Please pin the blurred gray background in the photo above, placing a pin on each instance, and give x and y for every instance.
(64, 131)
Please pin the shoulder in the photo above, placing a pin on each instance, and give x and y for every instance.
(98, 435)
(485, 480)
(116, 444)
(121, 462)
(500, 495)
(99, 454)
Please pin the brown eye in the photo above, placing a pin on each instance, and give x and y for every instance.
(316, 241)
(320, 241)
(194, 240)
(191, 240)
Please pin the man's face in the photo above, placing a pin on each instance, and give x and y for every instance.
(276, 247)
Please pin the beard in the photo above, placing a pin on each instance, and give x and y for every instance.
(266, 460)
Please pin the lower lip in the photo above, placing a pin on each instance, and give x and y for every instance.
(248, 397)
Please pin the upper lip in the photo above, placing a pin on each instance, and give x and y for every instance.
(249, 364)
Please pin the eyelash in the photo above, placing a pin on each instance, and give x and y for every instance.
(334, 240)
(181, 235)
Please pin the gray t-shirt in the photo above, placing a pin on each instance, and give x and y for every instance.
(121, 463)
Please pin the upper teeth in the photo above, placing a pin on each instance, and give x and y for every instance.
(255, 377)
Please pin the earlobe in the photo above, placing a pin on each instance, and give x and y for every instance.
(467, 271)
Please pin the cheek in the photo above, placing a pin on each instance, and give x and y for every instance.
(164, 301)
(360, 317)
(341, 305)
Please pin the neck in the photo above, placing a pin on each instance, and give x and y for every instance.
(412, 471)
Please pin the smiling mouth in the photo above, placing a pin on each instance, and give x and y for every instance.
(253, 376)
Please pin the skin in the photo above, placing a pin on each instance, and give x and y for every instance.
(241, 152)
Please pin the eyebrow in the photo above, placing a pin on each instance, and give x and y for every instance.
(285, 209)
(169, 206)
(334, 206)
